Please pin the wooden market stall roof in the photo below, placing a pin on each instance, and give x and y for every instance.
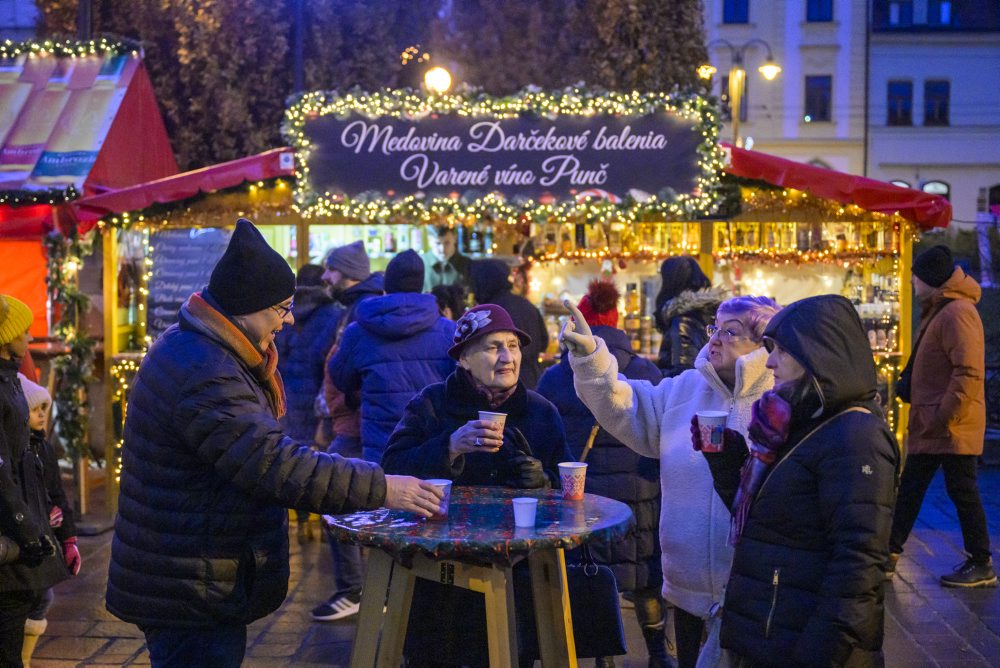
(270, 164)
(926, 210)
(77, 118)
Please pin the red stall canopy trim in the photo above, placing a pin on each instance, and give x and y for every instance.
(268, 165)
(926, 210)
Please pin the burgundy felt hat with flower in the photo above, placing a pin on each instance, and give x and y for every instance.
(482, 320)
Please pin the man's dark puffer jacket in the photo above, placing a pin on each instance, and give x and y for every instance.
(201, 536)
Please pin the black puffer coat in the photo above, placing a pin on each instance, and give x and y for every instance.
(491, 284)
(806, 584)
(683, 320)
(24, 512)
(201, 536)
(614, 470)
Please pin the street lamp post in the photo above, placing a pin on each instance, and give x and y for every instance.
(738, 75)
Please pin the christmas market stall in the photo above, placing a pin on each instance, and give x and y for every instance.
(570, 185)
(78, 118)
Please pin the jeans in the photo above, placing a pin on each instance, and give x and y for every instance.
(14, 608)
(348, 567)
(963, 490)
(216, 647)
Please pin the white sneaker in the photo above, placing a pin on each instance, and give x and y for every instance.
(341, 606)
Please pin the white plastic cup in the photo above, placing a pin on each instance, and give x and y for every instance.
(496, 418)
(711, 424)
(445, 487)
(525, 508)
(572, 477)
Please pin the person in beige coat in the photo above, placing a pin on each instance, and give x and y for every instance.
(947, 413)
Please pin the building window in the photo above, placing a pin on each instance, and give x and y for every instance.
(819, 10)
(939, 13)
(901, 184)
(901, 13)
(936, 98)
(937, 188)
(818, 97)
(735, 11)
(899, 103)
(727, 109)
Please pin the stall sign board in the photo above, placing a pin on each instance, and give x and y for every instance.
(526, 156)
(182, 264)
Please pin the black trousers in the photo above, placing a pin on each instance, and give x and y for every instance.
(14, 609)
(963, 490)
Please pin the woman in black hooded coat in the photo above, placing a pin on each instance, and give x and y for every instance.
(812, 527)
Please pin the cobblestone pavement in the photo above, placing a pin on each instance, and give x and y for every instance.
(926, 625)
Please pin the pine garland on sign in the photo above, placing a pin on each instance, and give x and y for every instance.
(74, 370)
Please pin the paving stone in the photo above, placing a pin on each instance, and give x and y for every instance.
(117, 629)
(68, 647)
(273, 649)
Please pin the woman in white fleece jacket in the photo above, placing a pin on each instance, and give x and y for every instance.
(655, 421)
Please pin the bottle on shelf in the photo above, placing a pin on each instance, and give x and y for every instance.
(475, 240)
(417, 238)
(461, 243)
(580, 234)
(389, 240)
(488, 238)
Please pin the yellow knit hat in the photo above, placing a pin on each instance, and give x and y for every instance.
(15, 318)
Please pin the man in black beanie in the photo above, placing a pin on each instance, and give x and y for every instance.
(201, 538)
(947, 421)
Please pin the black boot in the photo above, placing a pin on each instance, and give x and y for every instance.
(656, 647)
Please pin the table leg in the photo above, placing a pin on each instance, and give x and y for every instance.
(552, 613)
(370, 615)
(501, 626)
(397, 617)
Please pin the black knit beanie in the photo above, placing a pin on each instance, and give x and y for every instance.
(250, 276)
(405, 273)
(934, 266)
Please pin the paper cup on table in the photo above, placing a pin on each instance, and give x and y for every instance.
(496, 418)
(711, 424)
(525, 508)
(572, 476)
(445, 487)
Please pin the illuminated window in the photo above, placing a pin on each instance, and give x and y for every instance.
(937, 188)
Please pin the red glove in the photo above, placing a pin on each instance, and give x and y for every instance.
(771, 418)
(71, 555)
(55, 517)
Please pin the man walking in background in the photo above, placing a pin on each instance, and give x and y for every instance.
(947, 413)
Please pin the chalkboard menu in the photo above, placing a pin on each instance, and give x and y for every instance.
(182, 264)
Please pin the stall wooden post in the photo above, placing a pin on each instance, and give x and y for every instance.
(109, 240)
(905, 316)
(301, 242)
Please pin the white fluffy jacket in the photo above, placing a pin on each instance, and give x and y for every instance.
(656, 422)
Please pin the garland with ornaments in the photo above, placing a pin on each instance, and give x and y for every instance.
(70, 48)
(74, 370)
(379, 208)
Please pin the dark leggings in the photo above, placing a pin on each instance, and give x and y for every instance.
(688, 630)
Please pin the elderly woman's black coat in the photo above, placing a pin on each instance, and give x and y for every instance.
(24, 511)
(447, 624)
(806, 583)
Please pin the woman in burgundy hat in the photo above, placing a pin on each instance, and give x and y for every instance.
(441, 436)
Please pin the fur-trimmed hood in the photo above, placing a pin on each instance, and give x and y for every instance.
(687, 301)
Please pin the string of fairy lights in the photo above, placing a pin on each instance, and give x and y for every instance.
(574, 101)
(69, 48)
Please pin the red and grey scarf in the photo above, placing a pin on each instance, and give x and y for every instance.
(263, 366)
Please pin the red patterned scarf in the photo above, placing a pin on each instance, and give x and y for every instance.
(263, 366)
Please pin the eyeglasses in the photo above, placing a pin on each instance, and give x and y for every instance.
(726, 335)
(283, 310)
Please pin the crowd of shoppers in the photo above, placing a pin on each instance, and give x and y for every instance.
(344, 388)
